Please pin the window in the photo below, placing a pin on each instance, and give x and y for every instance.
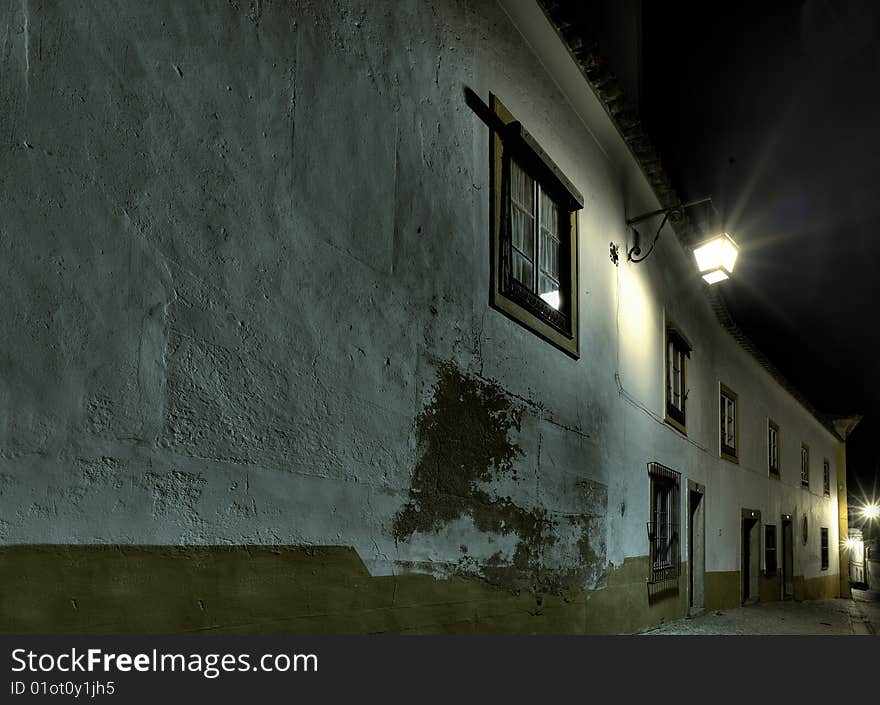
(770, 551)
(805, 465)
(677, 352)
(663, 529)
(729, 425)
(826, 478)
(534, 236)
(773, 447)
(824, 548)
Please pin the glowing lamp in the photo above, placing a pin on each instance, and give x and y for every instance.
(716, 258)
(851, 543)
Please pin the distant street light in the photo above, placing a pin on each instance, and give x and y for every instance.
(871, 511)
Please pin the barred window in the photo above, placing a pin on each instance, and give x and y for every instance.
(663, 528)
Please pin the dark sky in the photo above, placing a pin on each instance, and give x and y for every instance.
(774, 110)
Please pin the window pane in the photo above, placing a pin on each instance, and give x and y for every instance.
(548, 249)
(522, 224)
(522, 269)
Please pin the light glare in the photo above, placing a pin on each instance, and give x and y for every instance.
(871, 511)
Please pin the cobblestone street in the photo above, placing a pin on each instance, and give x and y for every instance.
(860, 616)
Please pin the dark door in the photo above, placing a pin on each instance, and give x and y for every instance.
(746, 558)
(692, 509)
(787, 561)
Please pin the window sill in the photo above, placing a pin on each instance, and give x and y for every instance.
(775, 474)
(681, 428)
(730, 458)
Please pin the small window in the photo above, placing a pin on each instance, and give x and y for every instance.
(805, 465)
(663, 529)
(677, 352)
(824, 547)
(729, 425)
(770, 551)
(534, 236)
(773, 448)
(805, 530)
(826, 478)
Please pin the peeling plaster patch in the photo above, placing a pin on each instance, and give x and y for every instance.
(464, 444)
(463, 440)
(4, 529)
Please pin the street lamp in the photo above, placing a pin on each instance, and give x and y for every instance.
(716, 258)
(871, 511)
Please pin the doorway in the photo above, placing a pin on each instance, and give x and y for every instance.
(696, 547)
(787, 558)
(750, 567)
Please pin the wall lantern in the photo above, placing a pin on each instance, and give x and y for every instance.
(716, 258)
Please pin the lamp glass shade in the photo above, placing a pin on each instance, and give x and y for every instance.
(716, 258)
(715, 276)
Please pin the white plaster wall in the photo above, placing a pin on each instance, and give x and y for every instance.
(238, 242)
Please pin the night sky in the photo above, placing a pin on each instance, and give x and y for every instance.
(774, 110)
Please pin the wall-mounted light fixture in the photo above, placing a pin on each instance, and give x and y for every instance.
(715, 257)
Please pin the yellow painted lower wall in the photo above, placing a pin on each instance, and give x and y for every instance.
(90, 589)
(820, 588)
(722, 590)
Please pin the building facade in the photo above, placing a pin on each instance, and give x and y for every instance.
(312, 325)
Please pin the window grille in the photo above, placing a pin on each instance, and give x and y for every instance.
(826, 478)
(805, 466)
(664, 526)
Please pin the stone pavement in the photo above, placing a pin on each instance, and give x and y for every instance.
(861, 615)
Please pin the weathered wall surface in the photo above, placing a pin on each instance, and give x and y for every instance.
(245, 273)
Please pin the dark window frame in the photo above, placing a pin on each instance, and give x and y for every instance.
(676, 347)
(773, 463)
(728, 452)
(826, 477)
(510, 142)
(805, 465)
